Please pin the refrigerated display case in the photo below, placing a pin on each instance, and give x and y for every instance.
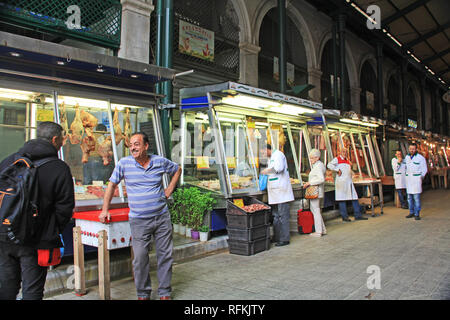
(99, 101)
(225, 128)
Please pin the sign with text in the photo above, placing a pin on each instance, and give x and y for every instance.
(196, 41)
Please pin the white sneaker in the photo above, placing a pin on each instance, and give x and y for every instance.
(315, 234)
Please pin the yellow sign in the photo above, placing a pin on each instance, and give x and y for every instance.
(231, 162)
(251, 124)
(203, 162)
(238, 203)
(44, 115)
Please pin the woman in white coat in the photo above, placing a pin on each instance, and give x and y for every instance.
(316, 178)
(344, 188)
(399, 168)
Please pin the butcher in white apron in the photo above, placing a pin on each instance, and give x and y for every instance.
(399, 168)
(280, 194)
(416, 169)
(344, 188)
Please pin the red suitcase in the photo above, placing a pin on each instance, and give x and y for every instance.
(305, 221)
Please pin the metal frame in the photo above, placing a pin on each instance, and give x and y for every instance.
(361, 141)
(378, 155)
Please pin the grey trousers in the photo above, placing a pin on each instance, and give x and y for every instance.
(142, 231)
(281, 217)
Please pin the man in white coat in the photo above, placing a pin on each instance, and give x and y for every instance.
(416, 169)
(279, 190)
(399, 167)
(344, 188)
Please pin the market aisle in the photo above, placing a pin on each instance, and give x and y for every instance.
(413, 257)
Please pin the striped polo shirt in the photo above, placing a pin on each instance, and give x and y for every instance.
(145, 190)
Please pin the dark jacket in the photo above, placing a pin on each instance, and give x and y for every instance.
(56, 191)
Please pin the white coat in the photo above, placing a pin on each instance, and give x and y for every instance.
(317, 177)
(344, 188)
(399, 173)
(279, 188)
(416, 169)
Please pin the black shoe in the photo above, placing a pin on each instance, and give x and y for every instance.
(417, 218)
(361, 218)
(346, 219)
(409, 216)
(283, 243)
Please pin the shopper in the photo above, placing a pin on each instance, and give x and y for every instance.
(19, 263)
(149, 215)
(279, 190)
(416, 169)
(344, 188)
(399, 167)
(316, 178)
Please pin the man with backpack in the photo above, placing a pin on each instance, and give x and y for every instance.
(52, 210)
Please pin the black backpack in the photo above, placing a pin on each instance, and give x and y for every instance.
(19, 201)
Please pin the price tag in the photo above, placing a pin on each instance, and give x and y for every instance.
(231, 162)
(239, 202)
(203, 162)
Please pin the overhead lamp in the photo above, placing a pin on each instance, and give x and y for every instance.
(362, 123)
(296, 110)
(15, 54)
(135, 76)
(61, 63)
(100, 70)
(249, 102)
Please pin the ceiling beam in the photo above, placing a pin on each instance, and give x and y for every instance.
(440, 73)
(428, 35)
(404, 11)
(436, 56)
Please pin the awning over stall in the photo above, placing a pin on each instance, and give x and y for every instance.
(24, 58)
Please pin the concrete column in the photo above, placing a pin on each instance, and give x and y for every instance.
(248, 64)
(314, 77)
(355, 99)
(135, 36)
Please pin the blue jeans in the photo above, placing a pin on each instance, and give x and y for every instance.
(343, 209)
(414, 204)
(401, 197)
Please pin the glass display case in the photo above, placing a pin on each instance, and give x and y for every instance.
(96, 133)
(224, 132)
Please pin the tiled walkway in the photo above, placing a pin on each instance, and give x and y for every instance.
(413, 258)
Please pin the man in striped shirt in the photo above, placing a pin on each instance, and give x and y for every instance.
(149, 215)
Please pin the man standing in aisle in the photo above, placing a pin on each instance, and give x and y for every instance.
(279, 190)
(416, 169)
(149, 215)
(19, 263)
(399, 167)
(344, 187)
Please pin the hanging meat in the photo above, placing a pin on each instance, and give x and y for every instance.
(88, 144)
(127, 129)
(64, 123)
(88, 120)
(117, 129)
(76, 127)
(104, 149)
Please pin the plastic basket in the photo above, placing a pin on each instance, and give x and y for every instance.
(248, 248)
(240, 219)
(251, 234)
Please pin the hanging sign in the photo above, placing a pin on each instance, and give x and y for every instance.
(196, 41)
(290, 72)
(44, 115)
(202, 162)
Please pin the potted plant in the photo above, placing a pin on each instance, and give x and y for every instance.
(204, 233)
(203, 204)
(175, 213)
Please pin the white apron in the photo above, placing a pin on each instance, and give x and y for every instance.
(399, 173)
(279, 188)
(416, 169)
(344, 188)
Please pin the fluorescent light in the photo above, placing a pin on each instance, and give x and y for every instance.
(15, 54)
(249, 102)
(61, 63)
(229, 120)
(16, 94)
(362, 123)
(293, 109)
(134, 76)
(100, 70)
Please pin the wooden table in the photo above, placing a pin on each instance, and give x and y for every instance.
(370, 184)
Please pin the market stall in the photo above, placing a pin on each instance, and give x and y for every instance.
(99, 100)
(225, 128)
(357, 135)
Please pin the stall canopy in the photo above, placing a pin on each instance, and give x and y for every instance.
(24, 58)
